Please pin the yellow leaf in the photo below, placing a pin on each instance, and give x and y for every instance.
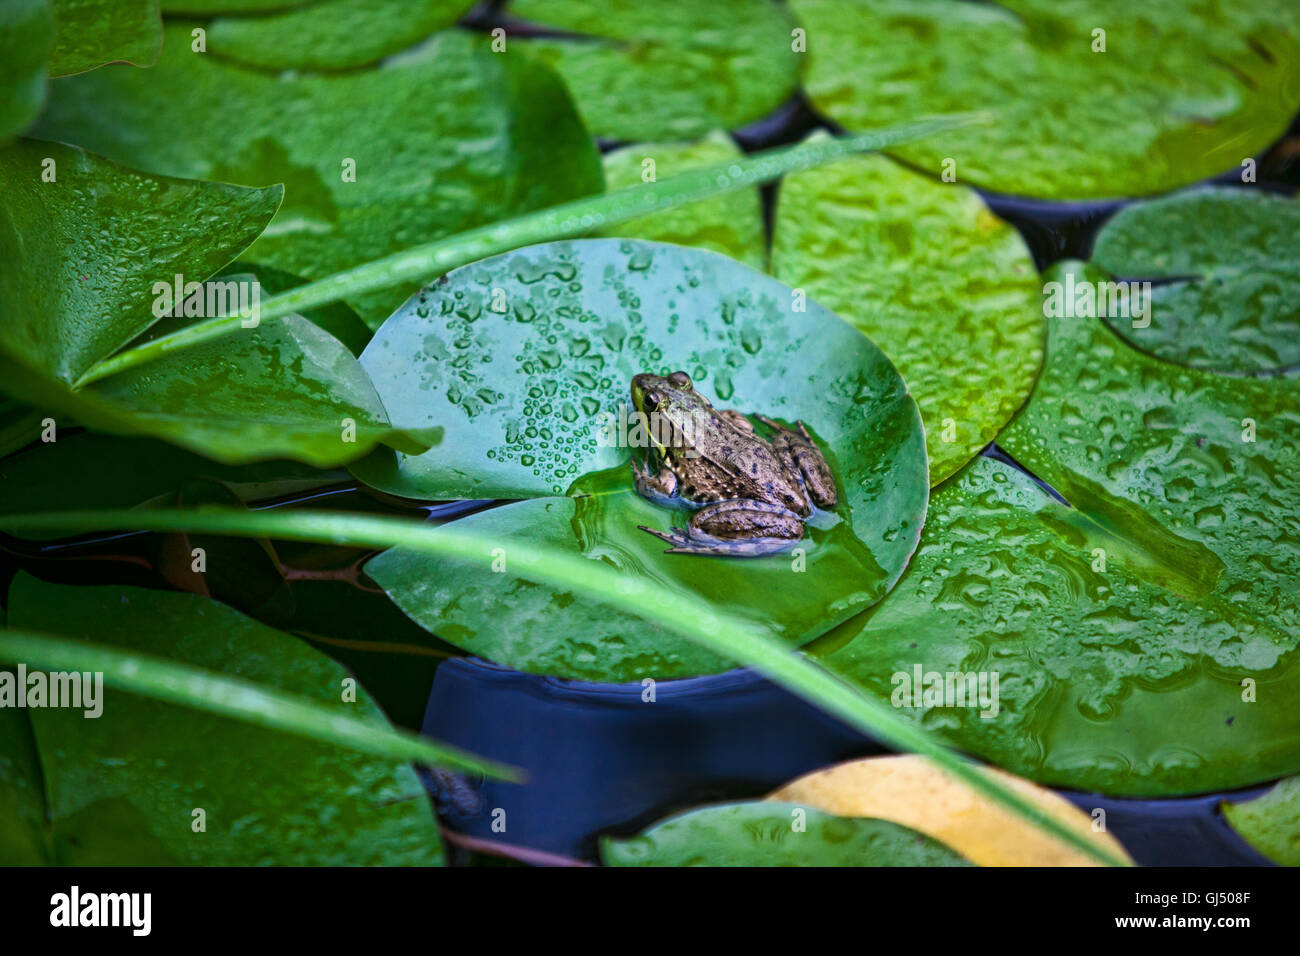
(914, 792)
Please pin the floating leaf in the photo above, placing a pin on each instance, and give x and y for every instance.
(1128, 632)
(22, 798)
(671, 70)
(913, 792)
(1270, 823)
(26, 37)
(1179, 94)
(91, 33)
(524, 391)
(768, 834)
(333, 35)
(373, 160)
(122, 786)
(731, 224)
(89, 250)
(946, 289)
(1225, 298)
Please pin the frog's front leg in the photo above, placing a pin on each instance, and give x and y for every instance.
(801, 455)
(660, 487)
(737, 528)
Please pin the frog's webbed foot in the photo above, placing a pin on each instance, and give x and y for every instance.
(739, 528)
(799, 453)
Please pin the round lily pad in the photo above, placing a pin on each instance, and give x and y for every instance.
(1143, 635)
(1225, 276)
(1090, 99)
(524, 358)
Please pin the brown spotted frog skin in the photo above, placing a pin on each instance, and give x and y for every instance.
(753, 494)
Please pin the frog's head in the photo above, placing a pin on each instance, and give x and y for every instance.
(675, 412)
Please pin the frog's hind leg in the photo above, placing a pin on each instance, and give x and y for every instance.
(800, 454)
(739, 528)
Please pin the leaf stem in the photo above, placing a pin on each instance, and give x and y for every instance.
(564, 221)
(696, 620)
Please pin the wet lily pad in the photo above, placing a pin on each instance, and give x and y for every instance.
(122, 792)
(91, 33)
(1145, 638)
(1225, 298)
(1179, 95)
(372, 160)
(943, 286)
(333, 35)
(1270, 823)
(774, 834)
(522, 391)
(731, 224)
(110, 235)
(672, 70)
(26, 37)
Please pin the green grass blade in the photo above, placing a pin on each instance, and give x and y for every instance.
(735, 639)
(201, 689)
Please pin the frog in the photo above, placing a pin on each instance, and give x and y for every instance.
(751, 495)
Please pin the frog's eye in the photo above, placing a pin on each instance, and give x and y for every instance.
(680, 380)
(650, 401)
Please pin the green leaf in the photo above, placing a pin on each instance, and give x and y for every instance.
(943, 286)
(1123, 627)
(89, 249)
(22, 795)
(94, 32)
(26, 37)
(762, 834)
(122, 786)
(602, 583)
(1270, 823)
(525, 392)
(402, 127)
(1229, 302)
(19, 425)
(671, 70)
(731, 224)
(334, 35)
(1179, 95)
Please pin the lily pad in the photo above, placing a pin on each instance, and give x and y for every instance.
(522, 392)
(1224, 298)
(122, 792)
(771, 834)
(82, 287)
(94, 32)
(373, 160)
(671, 70)
(1270, 823)
(944, 287)
(731, 224)
(333, 35)
(26, 38)
(1144, 639)
(1179, 94)
(917, 794)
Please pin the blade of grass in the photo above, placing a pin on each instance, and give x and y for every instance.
(202, 689)
(696, 620)
(576, 218)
